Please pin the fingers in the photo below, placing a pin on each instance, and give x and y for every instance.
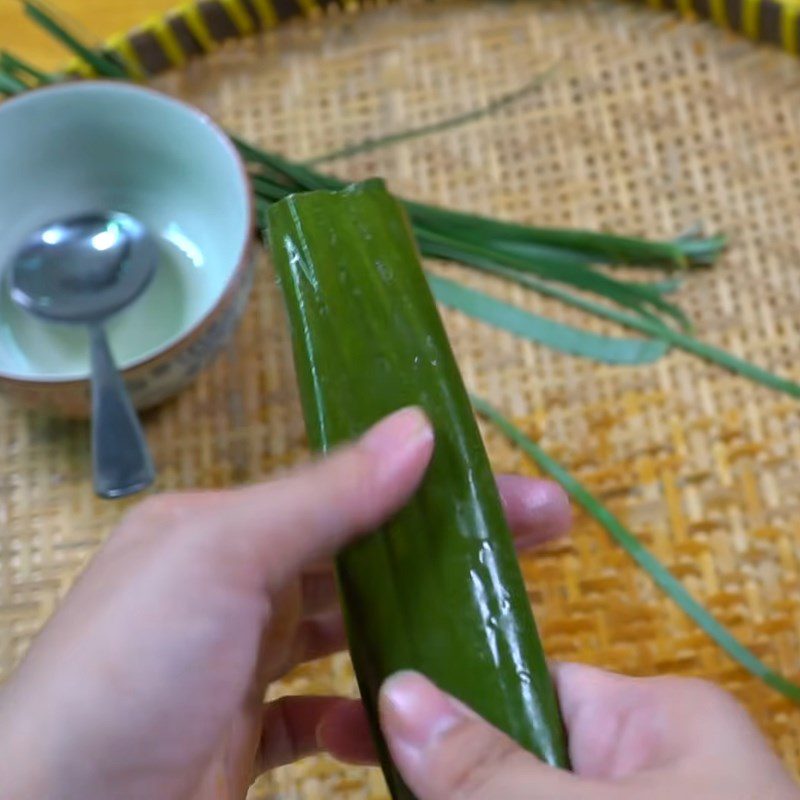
(290, 729)
(278, 528)
(616, 724)
(296, 727)
(319, 636)
(344, 733)
(319, 591)
(444, 751)
(537, 511)
(619, 726)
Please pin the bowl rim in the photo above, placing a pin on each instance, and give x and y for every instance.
(242, 259)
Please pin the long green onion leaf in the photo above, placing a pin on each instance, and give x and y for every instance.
(668, 286)
(14, 65)
(584, 277)
(601, 247)
(492, 107)
(302, 177)
(557, 336)
(436, 245)
(555, 256)
(487, 261)
(10, 85)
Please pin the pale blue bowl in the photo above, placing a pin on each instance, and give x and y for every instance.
(100, 145)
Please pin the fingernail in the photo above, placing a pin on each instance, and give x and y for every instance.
(405, 428)
(537, 510)
(549, 510)
(415, 715)
(399, 440)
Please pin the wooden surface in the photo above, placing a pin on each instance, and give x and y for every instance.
(101, 18)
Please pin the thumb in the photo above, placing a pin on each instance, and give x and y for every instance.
(280, 527)
(444, 751)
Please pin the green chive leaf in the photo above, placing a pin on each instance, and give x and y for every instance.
(556, 335)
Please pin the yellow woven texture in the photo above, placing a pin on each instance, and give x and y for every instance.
(645, 127)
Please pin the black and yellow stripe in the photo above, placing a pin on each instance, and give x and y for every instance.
(771, 21)
(200, 26)
(196, 28)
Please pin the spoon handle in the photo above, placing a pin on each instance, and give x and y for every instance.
(121, 459)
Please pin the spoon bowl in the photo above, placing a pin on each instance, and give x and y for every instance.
(85, 268)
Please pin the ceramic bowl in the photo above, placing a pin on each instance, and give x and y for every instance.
(98, 145)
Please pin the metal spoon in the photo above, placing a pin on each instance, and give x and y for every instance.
(82, 270)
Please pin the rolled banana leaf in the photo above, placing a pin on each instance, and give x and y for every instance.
(438, 588)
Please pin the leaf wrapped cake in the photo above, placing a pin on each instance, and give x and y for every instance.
(438, 589)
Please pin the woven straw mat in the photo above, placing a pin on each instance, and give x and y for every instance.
(644, 126)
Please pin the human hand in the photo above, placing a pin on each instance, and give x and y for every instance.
(149, 680)
(629, 739)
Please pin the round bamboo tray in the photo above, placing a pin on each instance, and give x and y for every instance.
(642, 126)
